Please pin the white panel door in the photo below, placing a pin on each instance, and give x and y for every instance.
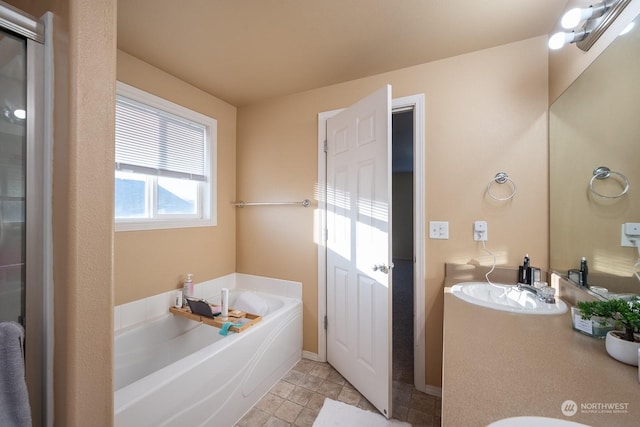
(358, 246)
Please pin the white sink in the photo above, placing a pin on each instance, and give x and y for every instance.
(535, 422)
(505, 298)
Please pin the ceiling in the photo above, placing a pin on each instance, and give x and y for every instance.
(245, 51)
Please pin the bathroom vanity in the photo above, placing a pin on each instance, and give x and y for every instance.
(499, 364)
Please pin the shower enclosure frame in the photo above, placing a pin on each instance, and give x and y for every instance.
(38, 311)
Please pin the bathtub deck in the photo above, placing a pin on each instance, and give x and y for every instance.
(217, 322)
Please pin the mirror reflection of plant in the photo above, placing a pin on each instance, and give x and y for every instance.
(626, 313)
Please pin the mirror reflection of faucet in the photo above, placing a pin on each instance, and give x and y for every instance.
(579, 277)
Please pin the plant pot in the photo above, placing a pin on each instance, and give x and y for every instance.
(621, 350)
(595, 326)
(601, 326)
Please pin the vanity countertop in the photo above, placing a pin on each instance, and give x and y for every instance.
(499, 365)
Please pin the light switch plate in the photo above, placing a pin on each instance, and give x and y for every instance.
(439, 230)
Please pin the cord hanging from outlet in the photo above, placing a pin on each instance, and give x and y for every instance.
(504, 289)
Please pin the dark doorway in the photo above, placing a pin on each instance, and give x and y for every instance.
(403, 244)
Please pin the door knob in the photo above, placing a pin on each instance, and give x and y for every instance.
(382, 268)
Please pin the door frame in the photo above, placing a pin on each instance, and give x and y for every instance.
(39, 334)
(416, 102)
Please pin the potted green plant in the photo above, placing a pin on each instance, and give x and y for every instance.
(621, 344)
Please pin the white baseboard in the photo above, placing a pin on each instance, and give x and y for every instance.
(433, 390)
(311, 356)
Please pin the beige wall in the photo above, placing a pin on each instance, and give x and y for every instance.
(151, 262)
(485, 112)
(84, 68)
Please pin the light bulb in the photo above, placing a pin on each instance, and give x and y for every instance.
(574, 17)
(558, 40)
(20, 114)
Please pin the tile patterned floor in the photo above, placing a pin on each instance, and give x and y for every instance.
(296, 400)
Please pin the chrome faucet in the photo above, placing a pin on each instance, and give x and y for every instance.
(545, 293)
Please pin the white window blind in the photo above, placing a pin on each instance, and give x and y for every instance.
(155, 142)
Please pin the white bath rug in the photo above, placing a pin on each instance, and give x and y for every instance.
(339, 414)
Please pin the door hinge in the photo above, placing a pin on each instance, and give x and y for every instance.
(326, 323)
(326, 146)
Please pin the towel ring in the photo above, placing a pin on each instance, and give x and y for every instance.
(603, 172)
(502, 178)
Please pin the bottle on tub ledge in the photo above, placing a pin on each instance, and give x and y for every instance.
(187, 290)
(224, 304)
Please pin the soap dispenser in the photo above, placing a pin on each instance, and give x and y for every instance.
(528, 275)
(584, 272)
(524, 271)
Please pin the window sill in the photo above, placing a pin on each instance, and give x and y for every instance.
(162, 224)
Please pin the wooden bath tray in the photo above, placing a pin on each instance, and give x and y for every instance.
(217, 322)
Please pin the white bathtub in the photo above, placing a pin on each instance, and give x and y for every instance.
(176, 372)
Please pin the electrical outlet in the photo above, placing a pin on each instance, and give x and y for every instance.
(439, 230)
(480, 232)
(632, 228)
(630, 231)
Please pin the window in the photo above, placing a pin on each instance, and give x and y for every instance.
(165, 164)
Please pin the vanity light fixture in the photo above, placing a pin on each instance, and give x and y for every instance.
(588, 24)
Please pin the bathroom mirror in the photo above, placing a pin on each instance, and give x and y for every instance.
(596, 122)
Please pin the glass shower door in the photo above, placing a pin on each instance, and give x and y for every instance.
(13, 137)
